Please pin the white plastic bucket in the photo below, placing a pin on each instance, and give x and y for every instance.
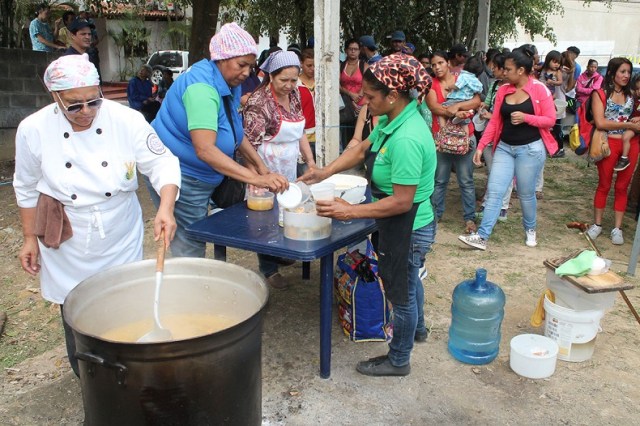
(570, 328)
(533, 356)
(561, 108)
(572, 297)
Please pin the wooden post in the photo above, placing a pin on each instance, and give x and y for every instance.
(327, 59)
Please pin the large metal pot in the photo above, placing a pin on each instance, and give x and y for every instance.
(207, 380)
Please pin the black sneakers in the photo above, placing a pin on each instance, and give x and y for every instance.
(623, 163)
(381, 366)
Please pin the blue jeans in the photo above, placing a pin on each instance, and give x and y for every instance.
(488, 158)
(464, 174)
(192, 206)
(409, 319)
(526, 163)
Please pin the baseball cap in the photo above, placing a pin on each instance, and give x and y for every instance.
(78, 24)
(368, 42)
(398, 35)
(458, 49)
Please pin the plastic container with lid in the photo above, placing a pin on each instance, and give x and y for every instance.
(477, 310)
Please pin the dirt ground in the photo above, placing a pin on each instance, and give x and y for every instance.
(37, 387)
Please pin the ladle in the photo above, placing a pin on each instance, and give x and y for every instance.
(159, 333)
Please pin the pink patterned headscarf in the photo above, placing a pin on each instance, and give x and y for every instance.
(402, 73)
(230, 42)
(71, 72)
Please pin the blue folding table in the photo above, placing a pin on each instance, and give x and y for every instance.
(241, 228)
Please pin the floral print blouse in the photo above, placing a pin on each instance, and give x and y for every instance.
(619, 113)
(261, 118)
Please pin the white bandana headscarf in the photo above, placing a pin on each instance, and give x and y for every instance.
(71, 72)
(280, 59)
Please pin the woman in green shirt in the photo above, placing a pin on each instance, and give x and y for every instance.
(400, 160)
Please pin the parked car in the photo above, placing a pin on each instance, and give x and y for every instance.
(176, 60)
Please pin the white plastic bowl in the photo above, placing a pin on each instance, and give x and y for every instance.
(349, 187)
(533, 356)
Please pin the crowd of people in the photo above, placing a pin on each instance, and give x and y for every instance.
(251, 117)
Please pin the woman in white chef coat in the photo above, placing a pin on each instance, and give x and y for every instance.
(76, 162)
(274, 124)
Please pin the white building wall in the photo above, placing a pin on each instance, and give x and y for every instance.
(599, 32)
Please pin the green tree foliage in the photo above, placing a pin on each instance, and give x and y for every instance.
(427, 24)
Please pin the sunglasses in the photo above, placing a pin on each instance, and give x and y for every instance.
(76, 108)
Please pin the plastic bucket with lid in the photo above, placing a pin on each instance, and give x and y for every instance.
(561, 107)
(571, 328)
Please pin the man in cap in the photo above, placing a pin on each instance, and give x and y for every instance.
(397, 42)
(370, 49)
(80, 35)
(458, 55)
(574, 52)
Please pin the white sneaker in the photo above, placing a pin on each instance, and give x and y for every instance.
(593, 231)
(423, 273)
(616, 236)
(530, 236)
(474, 240)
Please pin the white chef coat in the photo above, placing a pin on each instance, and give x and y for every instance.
(93, 174)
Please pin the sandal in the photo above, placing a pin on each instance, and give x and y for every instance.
(471, 227)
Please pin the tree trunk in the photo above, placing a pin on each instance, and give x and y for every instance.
(203, 27)
(459, 16)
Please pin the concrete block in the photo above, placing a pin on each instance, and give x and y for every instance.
(22, 70)
(34, 86)
(4, 68)
(34, 57)
(11, 117)
(5, 102)
(7, 55)
(11, 84)
(43, 101)
(7, 144)
(23, 101)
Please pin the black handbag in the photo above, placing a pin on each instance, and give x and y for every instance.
(230, 191)
(347, 114)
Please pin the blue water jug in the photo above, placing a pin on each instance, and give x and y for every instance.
(476, 315)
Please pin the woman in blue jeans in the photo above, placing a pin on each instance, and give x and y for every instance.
(443, 84)
(400, 160)
(519, 129)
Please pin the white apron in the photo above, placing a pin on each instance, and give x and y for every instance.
(104, 235)
(280, 152)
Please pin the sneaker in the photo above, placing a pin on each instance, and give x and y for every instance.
(531, 240)
(623, 163)
(423, 273)
(558, 154)
(594, 230)
(539, 195)
(503, 215)
(474, 240)
(480, 213)
(381, 366)
(616, 236)
(421, 336)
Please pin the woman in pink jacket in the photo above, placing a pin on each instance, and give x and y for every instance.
(588, 81)
(519, 129)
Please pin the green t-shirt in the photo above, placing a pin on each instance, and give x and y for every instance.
(201, 102)
(407, 158)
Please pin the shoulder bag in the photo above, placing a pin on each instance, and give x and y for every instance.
(230, 191)
(452, 139)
